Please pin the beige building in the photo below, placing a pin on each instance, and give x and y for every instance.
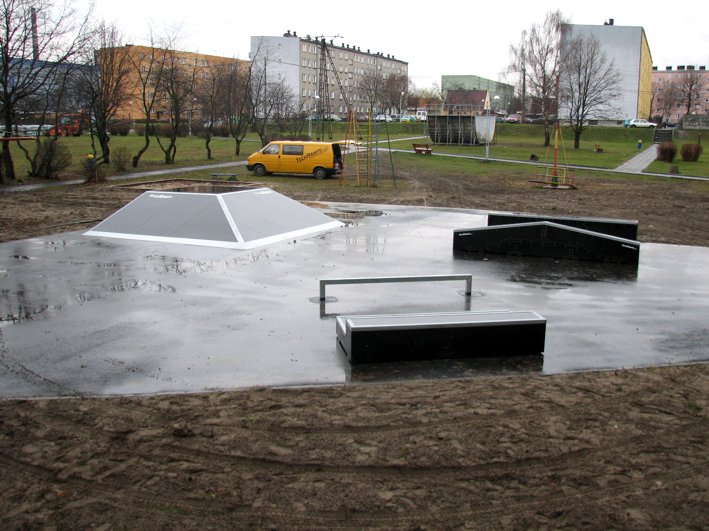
(141, 58)
(296, 62)
(671, 82)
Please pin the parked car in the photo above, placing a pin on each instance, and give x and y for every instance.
(535, 119)
(383, 118)
(512, 119)
(640, 122)
(331, 118)
(407, 118)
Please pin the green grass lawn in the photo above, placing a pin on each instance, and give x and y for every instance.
(514, 142)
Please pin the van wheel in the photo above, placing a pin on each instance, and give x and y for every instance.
(320, 173)
(259, 170)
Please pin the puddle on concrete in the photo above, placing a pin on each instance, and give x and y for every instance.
(175, 318)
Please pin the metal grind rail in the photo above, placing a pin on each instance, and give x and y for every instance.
(382, 280)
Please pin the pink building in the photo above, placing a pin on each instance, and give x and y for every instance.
(671, 89)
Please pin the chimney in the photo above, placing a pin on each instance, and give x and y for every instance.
(35, 38)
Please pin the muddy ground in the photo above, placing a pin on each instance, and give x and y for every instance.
(618, 449)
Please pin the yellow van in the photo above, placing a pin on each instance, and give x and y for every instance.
(322, 159)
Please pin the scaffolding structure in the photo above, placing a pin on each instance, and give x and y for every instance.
(360, 143)
(556, 175)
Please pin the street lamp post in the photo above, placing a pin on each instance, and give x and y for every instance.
(401, 99)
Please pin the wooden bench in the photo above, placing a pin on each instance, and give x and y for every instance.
(445, 335)
(422, 149)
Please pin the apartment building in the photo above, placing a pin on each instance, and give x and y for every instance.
(296, 62)
(628, 48)
(144, 59)
(677, 87)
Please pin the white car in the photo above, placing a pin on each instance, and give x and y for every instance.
(383, 118)
(640, 122)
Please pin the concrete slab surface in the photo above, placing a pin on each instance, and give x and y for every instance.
(95, 316)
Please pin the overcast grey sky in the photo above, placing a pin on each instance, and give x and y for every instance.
(453, 38)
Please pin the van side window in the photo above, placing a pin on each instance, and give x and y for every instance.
(292, 150)
(271, 149)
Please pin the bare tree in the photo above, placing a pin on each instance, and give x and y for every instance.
(691, 85)
(264, 94)
(178, 80)
(666, 96)
(394, 89)
(589, 81)
(210, 99)
(103, 82)
(537, 58)
(285, 106)
(37, 38)
(237, 86)
(149, 69)
(371, 87)
(428, 96)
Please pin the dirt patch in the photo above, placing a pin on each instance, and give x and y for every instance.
(620, 449)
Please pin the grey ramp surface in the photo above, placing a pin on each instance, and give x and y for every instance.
(238, 220)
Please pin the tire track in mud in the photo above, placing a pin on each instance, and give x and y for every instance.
(132, 500)
(614, 451)
(32, 378)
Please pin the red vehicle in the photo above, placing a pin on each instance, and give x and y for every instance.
(68, 125)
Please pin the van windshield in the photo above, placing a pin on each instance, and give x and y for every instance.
(271, 149)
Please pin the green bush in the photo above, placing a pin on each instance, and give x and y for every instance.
(120, 159)
(92, 170)
(666, 151)
(52, 157)
(691, 152)
(119, 128)
(220, 130)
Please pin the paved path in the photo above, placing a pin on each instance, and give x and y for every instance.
(640, 161)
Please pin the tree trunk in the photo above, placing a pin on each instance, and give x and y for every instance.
(103, 140)
(577, 138)
(145, 147)
(7, 168)
(207, 141)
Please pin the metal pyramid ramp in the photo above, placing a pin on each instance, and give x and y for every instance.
(243, 219)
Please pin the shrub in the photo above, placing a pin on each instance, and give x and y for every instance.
(162, 129)
(119, 128)
(691, 152)
(221, 131)
(666, 151)
(51, 158)
(92, 170)
(120, 159)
